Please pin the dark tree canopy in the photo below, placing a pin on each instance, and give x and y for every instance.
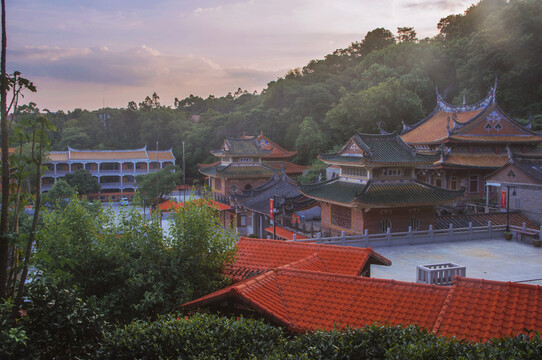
(83, 182)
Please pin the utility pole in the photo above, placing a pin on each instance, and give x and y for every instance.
(184, 178)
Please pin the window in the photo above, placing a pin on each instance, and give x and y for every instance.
(354, 171)
(243, 220)
(438, 182)
(385, 224)
(218, 184)
(234, 188)
(473, 184)
(248, 187)
(414, 223)
(341, 216)
(245, 160)
(453, 183)
(391, 172)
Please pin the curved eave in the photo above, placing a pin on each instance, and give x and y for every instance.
(350, 204)
(521, 139)
(358, 161)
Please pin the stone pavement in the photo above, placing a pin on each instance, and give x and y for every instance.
(485, 259)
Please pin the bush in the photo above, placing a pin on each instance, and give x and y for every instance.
(196, 337)
(212, 337)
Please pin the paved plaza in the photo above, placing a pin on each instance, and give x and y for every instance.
(485, 259)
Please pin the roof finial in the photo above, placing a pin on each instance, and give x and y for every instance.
(382, 131)
(464, 99)
(510, 155)
(529, 122)
(494, 93)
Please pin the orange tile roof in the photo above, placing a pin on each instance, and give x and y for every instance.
(137, 154)
(58, 156)
(162, 155)
(480, 310)
(310, 300)
(285, 233)
(289, 168)
(107, 155)
(255, 256)
(433, 129)
(304, 300)
(498, 139)
(482, 160)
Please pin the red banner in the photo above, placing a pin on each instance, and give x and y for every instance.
(503, 199)
(271, 208)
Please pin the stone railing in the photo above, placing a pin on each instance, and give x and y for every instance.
(439, 274)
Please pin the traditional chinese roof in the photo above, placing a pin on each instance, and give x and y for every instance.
(141, 154)
(277, 152)
(479, 310)
(499, 218)
(282, 187)
(235, 170)
(530, 165)
(255, 256)
(484, 160)
(481, 122)
(380, 194)
(304, 300)
(289, 168)
(378, 149)
(240, 148)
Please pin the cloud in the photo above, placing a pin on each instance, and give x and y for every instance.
(139, 70)
(448, 5)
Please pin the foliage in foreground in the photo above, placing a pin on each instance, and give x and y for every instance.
(203, 336)
(128, 264)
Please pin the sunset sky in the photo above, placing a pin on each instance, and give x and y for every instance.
(84, 54)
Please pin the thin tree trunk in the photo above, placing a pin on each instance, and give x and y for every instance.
(4, 238)
(37, 206)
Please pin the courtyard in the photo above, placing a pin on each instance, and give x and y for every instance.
(496, 259)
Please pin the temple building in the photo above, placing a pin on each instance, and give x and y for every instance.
(377, 188)
(473, 140)
(522, 177)
(115, 170)
(253, 207)
(246, 163)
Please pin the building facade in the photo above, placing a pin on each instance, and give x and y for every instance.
(115, 170)
(377, 188)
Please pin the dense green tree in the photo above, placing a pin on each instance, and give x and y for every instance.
(83, 182)
(310, 141)
(155, 186)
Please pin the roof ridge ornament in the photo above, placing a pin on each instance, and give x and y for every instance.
(529, 124)
(382, 131)
(510, 154)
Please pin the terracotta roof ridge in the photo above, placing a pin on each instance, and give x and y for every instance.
(306, 259)
(445, 305)
(287, 318)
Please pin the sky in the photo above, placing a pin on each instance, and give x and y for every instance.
(90, 54)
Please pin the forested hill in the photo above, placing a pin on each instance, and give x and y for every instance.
(384, 77)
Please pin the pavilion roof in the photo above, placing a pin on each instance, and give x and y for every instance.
(241, 147)
(277, 151)
(241, 171)
(279, 186)
(482, 122)
(255, 256)
(289, 168)
(378, 149)
(380, 194)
